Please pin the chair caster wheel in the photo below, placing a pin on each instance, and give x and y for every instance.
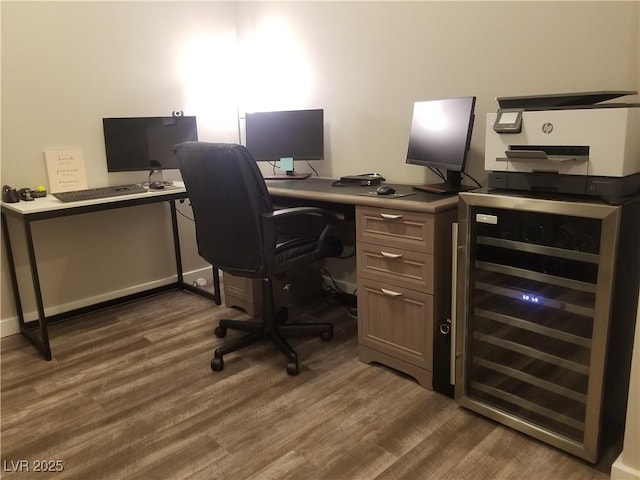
(220, 331)
(326, 336)
(217, 364)
(292, 368)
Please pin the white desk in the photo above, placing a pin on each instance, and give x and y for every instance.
(50, 207)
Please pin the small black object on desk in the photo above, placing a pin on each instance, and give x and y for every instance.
(10, 195)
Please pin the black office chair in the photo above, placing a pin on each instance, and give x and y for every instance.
(236, 231)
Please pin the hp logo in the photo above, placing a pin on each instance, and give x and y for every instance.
(547, 128)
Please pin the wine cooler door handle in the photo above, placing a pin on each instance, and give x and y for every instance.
(454, 282)
(445, 327)
(389, 216)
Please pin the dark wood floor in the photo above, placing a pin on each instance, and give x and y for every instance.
(130, 394)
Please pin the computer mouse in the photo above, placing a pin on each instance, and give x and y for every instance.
(385, 190)
(156, 185)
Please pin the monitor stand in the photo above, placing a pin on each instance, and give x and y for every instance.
(155, 175)
(452, 185)
(288, 176)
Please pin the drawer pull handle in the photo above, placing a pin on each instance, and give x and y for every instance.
(390, 255)
(389, 216)
(391, 293)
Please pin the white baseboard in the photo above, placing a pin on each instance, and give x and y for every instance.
(620, 471)
(10, 326)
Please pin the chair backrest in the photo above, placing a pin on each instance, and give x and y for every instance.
(227, 194)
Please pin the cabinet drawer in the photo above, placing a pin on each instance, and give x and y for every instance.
(404, 268)
(396, 228)
(396, 321)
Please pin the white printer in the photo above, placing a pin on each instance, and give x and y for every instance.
(565, 143)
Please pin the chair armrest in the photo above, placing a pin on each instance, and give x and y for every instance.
(270, 218)
(285, 212)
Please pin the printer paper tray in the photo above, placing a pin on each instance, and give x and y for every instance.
(539, 155)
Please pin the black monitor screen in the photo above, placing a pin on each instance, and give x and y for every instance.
(145, 143)
(297, 134)
(441, 133)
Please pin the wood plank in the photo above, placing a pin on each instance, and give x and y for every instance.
(130, 394)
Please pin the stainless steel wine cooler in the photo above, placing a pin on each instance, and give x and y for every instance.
(546, 295)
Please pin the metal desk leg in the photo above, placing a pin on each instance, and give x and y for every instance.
(42, 342)
(216, 284)
(45, 347)
(176, 241)
(12, 271)
(216, 297)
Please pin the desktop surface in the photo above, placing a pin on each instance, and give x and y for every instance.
(313, 189)
(51, 205)
(322, 190)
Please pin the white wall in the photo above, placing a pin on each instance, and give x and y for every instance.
(368, 62)
(67, 65)
(627, 465)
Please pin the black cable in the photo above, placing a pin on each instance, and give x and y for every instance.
(335, 288)
(311, 167)
(476, 182)
(184, 214)
(151, 172)
(344, 298)
(437, 172)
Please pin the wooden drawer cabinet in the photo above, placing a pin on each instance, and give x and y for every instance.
(246, 293)
(398, 321)
(402, 259)
(400, 267)
(243, 293)
(395, 228)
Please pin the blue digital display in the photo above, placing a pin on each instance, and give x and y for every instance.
(531, 298)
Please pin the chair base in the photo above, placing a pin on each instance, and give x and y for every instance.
(272, 328)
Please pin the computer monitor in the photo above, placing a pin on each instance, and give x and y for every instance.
(285, 136)
(440, 139)
(145, 143)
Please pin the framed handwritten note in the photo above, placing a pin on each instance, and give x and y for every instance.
(66, 170)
